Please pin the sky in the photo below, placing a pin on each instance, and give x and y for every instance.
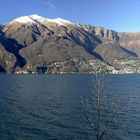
(119, 15)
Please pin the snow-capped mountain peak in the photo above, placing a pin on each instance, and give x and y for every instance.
(36, 18)
(60, 21)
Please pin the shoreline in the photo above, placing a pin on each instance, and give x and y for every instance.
(71, 73)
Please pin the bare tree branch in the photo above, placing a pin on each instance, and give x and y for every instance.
(100, 129)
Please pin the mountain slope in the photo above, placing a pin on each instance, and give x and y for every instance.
(131, 41)
(111, 51)
(8, 61)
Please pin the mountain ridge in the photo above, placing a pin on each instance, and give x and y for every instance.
(60, 46)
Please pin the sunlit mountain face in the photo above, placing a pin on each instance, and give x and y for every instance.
(35, 43)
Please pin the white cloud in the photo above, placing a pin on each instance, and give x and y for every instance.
(51, 5)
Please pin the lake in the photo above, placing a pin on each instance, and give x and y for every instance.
(47, 107)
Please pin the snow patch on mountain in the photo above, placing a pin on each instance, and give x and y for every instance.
(36, 18)
(60, 21)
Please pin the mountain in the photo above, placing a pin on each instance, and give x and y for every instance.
(37, 44)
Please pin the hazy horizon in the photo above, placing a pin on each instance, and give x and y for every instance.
(122, 16)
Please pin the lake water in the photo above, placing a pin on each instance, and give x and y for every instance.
(47, 107)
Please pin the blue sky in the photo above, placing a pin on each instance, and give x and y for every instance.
(120, 15)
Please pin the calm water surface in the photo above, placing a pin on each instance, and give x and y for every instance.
(47, 107)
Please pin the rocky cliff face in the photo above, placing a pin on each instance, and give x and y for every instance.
(101, 32)
(35, 44)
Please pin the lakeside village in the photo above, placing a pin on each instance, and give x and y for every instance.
(123, 66)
